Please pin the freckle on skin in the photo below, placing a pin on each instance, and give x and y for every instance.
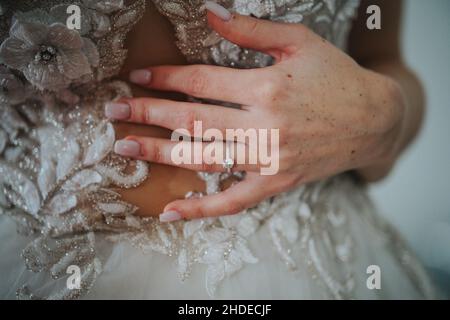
(289, 76)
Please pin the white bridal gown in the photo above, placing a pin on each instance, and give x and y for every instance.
(58, 176)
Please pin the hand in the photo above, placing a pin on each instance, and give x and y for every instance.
(333, 115)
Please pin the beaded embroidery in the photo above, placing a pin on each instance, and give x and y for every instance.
(58, 174)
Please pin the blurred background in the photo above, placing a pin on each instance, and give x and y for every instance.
(416, 197)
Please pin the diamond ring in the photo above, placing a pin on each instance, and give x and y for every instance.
(228, 162)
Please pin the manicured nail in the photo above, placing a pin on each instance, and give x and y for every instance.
(127, 148)
(117, 110)
(218, 10)
(142, 76)
(170, 216)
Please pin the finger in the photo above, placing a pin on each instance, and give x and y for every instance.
(245, 194)
(202, 81)
(196, 118)
(196, 156)
(274, 38)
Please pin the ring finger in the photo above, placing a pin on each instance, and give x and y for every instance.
(197, 156)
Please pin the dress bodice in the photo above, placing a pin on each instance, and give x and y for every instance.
(58, 174)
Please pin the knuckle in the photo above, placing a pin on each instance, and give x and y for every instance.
(153, 153)
(235, 207)
(272, 90)
(197, 82)
(137, 109)
(253, 26)
(292, 182)
(284, 135)
(269, 90)
(200, 212)
(188, 122)
(285, 142)
(286, 161)
(147, 115)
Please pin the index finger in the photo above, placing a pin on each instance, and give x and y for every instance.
(202, 81)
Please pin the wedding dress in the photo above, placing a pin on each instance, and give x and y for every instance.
(58, 176)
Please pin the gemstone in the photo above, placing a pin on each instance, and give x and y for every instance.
(228, 163)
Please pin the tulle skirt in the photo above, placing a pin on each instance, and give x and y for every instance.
(380, 267)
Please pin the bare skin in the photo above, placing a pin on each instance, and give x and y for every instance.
(166, 183)
(380, 112)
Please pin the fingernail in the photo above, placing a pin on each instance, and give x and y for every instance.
(170, 216)
(142, 76)
(127, 148)
(117, 110)
(218, 10)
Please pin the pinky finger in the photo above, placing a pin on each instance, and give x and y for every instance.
(237, 198)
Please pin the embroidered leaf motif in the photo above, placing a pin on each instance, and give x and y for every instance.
(62, 203)
(118, 207)
(68, 159)
(102, 144)
(82, 180)
(84, 204)
(24, 193)
(214, 275)
(47, 176)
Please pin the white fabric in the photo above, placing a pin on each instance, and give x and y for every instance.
(58, 174)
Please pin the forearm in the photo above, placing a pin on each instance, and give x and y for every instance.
(414, 107)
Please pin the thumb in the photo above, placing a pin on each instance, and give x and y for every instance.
(276, 39)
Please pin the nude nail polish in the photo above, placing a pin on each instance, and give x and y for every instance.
(127, 148)
(142, 76)
(170, 216)
(218, 10)
(117, 110)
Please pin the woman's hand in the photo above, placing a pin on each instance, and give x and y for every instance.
(332, 114)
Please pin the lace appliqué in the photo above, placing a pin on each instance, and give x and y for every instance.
(57, 171)
(329, 18)
(58, 174)
(63, 191)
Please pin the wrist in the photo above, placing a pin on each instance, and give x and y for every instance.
(387, 103)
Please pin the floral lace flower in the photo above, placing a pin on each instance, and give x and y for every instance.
(278, 10)
(49, 54)
(105, 7)
(257, 8)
